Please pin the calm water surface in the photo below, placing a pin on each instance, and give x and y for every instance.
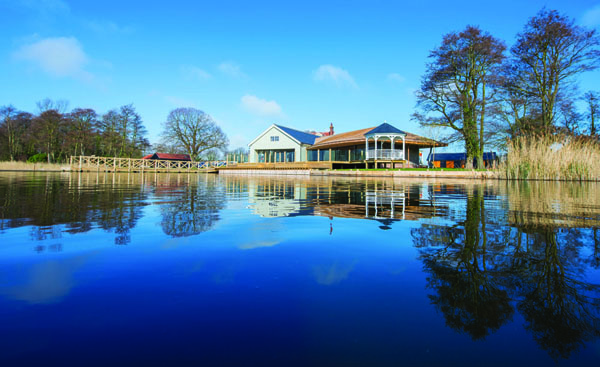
(182, 270)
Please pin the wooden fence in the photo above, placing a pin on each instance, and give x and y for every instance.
(93, 163)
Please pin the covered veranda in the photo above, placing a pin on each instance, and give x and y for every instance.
(381, 147)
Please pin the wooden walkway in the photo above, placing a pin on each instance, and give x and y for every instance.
(110, 164)
(277, 166)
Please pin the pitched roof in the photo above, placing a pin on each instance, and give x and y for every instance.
(347, 138)
(385, 128)
(301, 136)
(460, 156)
(168, 156)
(358, 137)
(179, 157)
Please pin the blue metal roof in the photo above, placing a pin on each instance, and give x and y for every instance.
(460, 156)
(301, 136)
(385, 128)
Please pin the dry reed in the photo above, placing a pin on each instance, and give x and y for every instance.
(552, 158)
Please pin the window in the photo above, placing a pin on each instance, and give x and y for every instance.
(274, 138)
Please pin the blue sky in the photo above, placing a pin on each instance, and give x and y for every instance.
(247, 64)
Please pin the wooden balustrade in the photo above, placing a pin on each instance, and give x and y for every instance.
(112, 164)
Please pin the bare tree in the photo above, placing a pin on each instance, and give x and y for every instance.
(453, 92)
(47, 104)
(592, 99)
(13, 129)
(550, 52)
(49, 125)
(194, 131)
(567, 117)
(81, 129)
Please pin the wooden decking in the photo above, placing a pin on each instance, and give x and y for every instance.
(278, 166)
(110, 164)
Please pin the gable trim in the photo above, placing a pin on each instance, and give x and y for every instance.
(278, 129)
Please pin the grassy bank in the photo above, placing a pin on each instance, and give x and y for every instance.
(24, 166)
(551, 158)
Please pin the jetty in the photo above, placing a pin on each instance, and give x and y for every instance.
(113, 164)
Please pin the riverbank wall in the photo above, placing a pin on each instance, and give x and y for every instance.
(33, 167)
(481, 175)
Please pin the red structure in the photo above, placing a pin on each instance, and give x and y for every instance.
(168, 157)
(328, 133)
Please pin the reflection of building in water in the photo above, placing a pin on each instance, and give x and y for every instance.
(278, 199)
(384, 204)
(383, 200)
(386, 201)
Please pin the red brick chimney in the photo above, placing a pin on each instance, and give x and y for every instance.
(331, 129)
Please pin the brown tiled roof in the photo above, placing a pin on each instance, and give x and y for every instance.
(358, 137)
(168, 156)
(175, 157)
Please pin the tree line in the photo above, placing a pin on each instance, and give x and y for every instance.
(53, 134)
(479, 92)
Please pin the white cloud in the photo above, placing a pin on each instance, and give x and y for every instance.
(260, 106)
(194, 72)
(395, 77)
(232, 69)
(334, 74)
(591, 18)
(59, 57)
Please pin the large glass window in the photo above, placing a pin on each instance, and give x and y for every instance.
(324, 155)
(340, 155)
(311, 155)
(357, 154)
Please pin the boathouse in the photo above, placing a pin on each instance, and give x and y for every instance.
(169, 157)
(458, 160)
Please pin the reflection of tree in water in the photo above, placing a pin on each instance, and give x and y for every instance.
(52, 204)
(478, 267)
(559, 309)
(456, 257)
(595, 239)
(192, 209)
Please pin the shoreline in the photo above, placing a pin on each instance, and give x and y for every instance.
(425, 174)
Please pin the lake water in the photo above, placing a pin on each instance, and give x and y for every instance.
(219, 270)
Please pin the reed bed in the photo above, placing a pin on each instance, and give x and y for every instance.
(552, 158)
(25, 166)
(554, 204)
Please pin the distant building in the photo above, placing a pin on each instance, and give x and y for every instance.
(381, 146)
(168, 157)
(458, 160)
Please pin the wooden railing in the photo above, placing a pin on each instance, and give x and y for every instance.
(389, 154)
(93, 163)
